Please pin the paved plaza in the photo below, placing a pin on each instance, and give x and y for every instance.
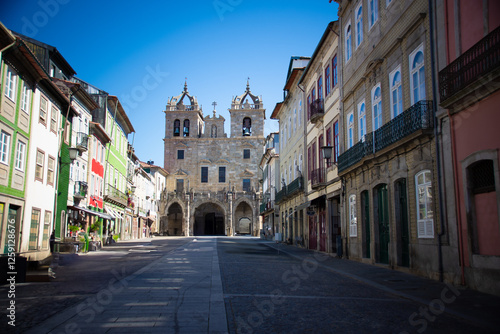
(247, 285)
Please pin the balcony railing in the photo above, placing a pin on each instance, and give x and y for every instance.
(417, 117)
(82, 141)
(295, 186)
(280, 195)
(265, 206)
(318, 177)
(80, 190)
(480, 59)
(291, 189)
(116, 196)
(317, 110)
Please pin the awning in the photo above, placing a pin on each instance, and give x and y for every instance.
(112, 212)
(304, 205)
(91, 212)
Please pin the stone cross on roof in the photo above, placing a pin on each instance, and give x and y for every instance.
(214, 104)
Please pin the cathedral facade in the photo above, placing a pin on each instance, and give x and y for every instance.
(213, 183)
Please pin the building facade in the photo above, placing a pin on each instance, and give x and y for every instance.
(270, 166)
(290, 194)
(213, 183)
(323, 185)
(391, 201)
(468, 35)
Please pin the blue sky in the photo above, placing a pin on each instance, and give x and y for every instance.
(142, 51)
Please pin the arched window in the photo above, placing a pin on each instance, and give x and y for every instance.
(348, 51)
(372, 12)
(353, 220)
(359, 25)
(425, 212)
(362, 120)
(247, 126)
(396, 93)
(350, 131)
(186, 128)
(177, 128)
(377, 107)
(417, 75)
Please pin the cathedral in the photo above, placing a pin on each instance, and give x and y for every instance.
(213, 183)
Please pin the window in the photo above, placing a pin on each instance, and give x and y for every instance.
(417, 75)
(334, 71)
(43, 110)
(359, 25)
(25, 99)
(67, 132)
(327, 80)
(185, 131)
(35, 223)
(396, 92)
(295, 119)
(53, 119)
(372, 12)
(20, 151)
(300, 113)
(377, 107)
(177, 128)
(222, 174)
(336, 141)
(300, 163)
(361, 121)
(246, 184)
(353, 221)
(10, 84)
(180, 154)
(320, 87)
(51, 163)
(204, 174)
(246, 153)
(350, 130)
(46, 226)
(481, 175)
(290, 127)
(40, 158)
(425, 213)
(247, 126)
(348, 51)
(4, 147)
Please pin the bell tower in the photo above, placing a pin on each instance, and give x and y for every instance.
(247, 115)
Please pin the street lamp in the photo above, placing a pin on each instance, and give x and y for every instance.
(327, 154)
(73, 152)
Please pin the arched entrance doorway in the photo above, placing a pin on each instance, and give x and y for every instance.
(209, 220)
(243, 218)
(174, 220)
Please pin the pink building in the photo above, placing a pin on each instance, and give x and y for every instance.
(467, 34)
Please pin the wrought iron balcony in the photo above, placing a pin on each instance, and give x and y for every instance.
(295, 186)
(280, 195)
(480, 59)
(80, 190)
(417, 117)
(266, 206)
(317, 110)
(115, 196)
(82, 141)
(318, 177)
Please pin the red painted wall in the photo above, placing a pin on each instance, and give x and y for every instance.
(476, 129)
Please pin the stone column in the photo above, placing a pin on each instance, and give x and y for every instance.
(230, 222)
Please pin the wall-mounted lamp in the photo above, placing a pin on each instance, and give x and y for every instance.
(327, 154)
(73, 152)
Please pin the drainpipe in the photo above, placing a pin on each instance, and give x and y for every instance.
(436, 139)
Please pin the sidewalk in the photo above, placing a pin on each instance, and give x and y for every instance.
(178, 293)
(470, 305)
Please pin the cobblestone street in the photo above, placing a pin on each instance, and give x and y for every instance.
(240, 285)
